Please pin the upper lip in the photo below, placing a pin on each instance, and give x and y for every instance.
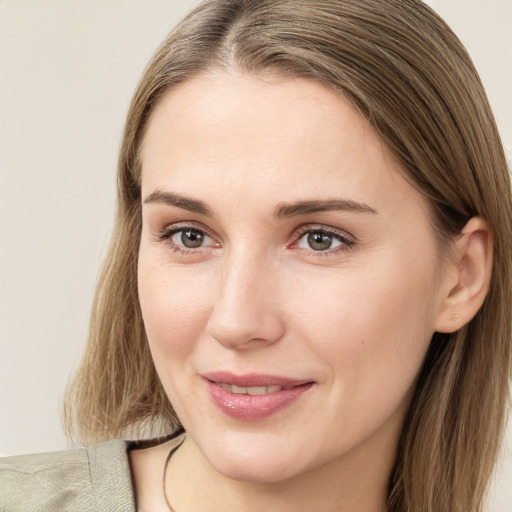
(253, 379)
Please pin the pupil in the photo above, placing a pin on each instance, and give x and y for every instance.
(192, 239)
(319, 241)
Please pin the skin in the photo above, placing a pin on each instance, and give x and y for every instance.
(356, 319)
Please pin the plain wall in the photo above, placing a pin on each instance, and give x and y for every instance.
(67, 72)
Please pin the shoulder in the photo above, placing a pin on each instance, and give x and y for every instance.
(90, 479)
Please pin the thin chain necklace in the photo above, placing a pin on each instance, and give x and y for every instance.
(171, 453)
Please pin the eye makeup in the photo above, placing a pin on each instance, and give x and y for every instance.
(313, 239)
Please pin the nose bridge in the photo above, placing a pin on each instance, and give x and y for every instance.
(245, 310)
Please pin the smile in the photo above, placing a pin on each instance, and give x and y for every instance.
(253, 397)
(251, 390)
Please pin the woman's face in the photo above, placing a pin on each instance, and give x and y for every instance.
(288, 276)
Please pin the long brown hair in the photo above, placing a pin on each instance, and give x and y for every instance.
(412, 79)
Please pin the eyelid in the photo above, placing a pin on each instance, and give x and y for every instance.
(349, 240)
(166, 233)
(178, 226)
(341, 233)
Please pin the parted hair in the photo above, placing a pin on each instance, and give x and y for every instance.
(411, 78)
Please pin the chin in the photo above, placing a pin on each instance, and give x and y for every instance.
(258, 459)
(264, 471)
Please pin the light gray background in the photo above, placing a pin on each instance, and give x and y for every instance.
(67, 72)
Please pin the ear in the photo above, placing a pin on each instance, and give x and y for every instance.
(468, 278)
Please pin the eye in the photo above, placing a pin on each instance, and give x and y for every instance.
(189, 238)
(323, 241)
(186, 239)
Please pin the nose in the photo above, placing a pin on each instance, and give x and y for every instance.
(246, 314)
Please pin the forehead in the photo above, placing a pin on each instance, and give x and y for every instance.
(274, 112)
(241, 134)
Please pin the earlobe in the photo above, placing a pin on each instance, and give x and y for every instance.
(470, 273)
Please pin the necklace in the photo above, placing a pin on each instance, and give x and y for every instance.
(171, 453)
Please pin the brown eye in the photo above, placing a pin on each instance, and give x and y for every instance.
(189, 238)
(320, 240)
(323, 241)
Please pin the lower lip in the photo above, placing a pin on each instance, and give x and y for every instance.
(254, 407)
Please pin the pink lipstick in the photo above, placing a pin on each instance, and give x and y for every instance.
(253, 396)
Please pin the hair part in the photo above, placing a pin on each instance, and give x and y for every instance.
(410, 77)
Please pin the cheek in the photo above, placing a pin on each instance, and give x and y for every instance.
(365, 307)
(371, 329)
(175, 307)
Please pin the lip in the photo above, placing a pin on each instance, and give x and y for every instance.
(253, 407)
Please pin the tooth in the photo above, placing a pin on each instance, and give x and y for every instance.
(250, 390)
(257, 390)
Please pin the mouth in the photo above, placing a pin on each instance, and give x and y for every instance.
(251, 390)
(253, 396)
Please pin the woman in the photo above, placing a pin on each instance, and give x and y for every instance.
(310, 263)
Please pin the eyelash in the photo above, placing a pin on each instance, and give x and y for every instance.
(347, 242)
(166, 234)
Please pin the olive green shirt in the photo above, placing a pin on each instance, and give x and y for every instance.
(92, 479)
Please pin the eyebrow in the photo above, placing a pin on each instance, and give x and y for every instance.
(187, 203)
(305, 207)
(282, 209)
